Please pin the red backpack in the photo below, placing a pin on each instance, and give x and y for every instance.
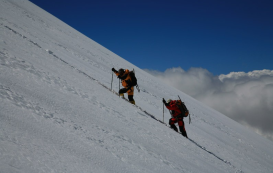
(182, 107)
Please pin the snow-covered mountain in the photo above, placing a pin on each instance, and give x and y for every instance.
(58, 114)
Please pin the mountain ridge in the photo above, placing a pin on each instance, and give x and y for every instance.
(57, 117)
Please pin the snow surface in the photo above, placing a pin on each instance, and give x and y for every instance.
(58, 116)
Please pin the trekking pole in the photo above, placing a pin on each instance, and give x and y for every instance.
(112, 80)
(163, 112)
(179, 98)
(119, 86)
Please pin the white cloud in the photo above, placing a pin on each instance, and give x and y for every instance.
(244, 97)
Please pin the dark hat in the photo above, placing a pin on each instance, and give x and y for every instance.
(121, 71)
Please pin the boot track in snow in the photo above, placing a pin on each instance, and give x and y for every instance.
(144, 111)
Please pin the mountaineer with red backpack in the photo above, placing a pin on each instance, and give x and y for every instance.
(128, 81)
(178, 111)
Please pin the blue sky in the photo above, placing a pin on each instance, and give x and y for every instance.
(189, 45)
(220, 36)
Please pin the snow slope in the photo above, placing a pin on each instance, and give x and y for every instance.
(58, 116)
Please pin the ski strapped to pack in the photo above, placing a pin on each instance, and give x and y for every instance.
(183, 107)
(134, 79)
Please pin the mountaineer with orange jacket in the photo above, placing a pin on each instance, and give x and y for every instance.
(126, 83)
(177, 116)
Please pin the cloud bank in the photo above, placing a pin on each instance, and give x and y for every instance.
(245, 97)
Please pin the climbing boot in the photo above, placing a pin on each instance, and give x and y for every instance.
(121, 95)
(133, 102)
(174, 127)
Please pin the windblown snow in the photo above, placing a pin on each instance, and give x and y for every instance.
(58, 113)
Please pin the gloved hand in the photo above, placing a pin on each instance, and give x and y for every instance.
(114, 70)
(164, 101)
